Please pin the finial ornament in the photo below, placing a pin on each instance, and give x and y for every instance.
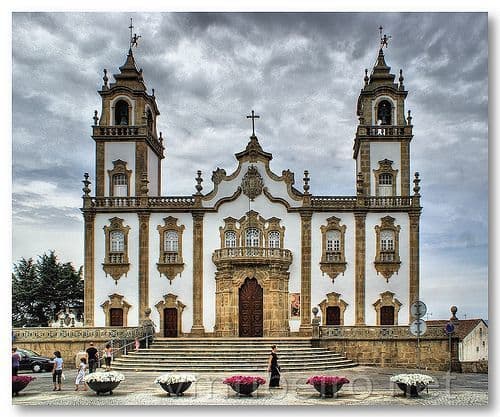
(253, 116)
(160, 138)
(401, 79)
(366, 77)
(133, 39)
(384, 40)
(199, 180)
(409, 118)
(306, 182)
(105, 78)
(416, 182)
(153, 90)
(86, 184)
(96, 119)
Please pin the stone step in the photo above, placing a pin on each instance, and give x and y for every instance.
(250, 369)
(228, 361)
(230, 349)
(242, 356)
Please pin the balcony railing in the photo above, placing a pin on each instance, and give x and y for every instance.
(251, 253)
(369, 130)
(116, 258)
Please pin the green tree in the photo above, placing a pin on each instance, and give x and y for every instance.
(44, 287)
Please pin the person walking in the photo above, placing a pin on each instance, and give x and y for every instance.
(81, 374)
(57, 371)
(93, 357)
(108, 354)
(16, 358)
(274, 369)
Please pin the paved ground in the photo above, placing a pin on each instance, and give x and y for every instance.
(369, 386)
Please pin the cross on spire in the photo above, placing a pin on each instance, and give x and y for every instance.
(134, 38)
(253, 117)
(384, 40)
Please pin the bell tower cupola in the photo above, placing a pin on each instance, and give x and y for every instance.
(383, 136)
(128, 147)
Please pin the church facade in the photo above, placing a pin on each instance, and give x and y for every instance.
(252, 253)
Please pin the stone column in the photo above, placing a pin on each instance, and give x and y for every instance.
(359, 268)
(305, 275)
(143, 264)
(88, 304)
(141, 165)
(405, 168)
(99, 169)
(414, 283)
(197, 329)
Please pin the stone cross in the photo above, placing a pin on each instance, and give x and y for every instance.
(253, 117)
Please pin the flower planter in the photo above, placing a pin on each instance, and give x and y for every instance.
(413, 390)
(328, 390)
(244, 389)
(103, 387)
(19, 383)
(177, 388)
(244, 385)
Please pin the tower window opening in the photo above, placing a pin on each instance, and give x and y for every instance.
(384, 112)
(122, 113)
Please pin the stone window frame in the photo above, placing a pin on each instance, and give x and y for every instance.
(383, 265)
(168, 266)
(230, 225)
(387, 299)
(273, 225)
(110, 266)
(119, 167)
(115, 301)
(385, 167)
(333, 267)
(170, 301)
(333, 300)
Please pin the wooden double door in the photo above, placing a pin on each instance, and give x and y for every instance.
(251, 309)
(170, 322)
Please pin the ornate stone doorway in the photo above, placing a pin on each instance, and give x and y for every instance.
(170, 322)
(333, 316)
(251, 309)
(116, 317)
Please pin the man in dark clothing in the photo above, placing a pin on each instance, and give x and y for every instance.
(93, 357)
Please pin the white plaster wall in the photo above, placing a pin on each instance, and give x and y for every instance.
(468, 348)
(119, 150)
(211, 234)
(276, 188)
(128, 285)
(398, 283)
(344, 284)
(182, 285)
(152, 173)
(385, 150)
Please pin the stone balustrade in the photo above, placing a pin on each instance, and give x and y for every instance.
(252, 254)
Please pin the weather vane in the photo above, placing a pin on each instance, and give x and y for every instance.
(384, 40)
(134, 38)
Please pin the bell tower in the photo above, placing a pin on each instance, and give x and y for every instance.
(128, 149)
(383, 136)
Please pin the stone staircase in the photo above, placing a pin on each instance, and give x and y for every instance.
(230, 355)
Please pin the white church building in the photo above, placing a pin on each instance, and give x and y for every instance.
(253, 251)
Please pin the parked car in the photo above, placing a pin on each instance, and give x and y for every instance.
(33, 361)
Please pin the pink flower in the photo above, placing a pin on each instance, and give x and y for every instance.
(244, 380)
(327, 380)
(24, 379)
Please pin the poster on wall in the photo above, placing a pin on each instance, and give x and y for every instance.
(295, 305)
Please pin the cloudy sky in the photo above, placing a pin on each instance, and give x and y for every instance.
(302, 74)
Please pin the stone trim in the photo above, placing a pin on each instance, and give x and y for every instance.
(364, 168)
(170, 301)
(141, 164)
(170, 268)
(387, 299)
(385, 167)
(384, 265)
(405, 168)
(89, 259)
(305, 274)
(414, 285)
(197, 329)
(333, 267)
(111, 266)
(116, 301)
(359, 268)
(99, 168)
(332, 300)
(119, 167)
(143, 264)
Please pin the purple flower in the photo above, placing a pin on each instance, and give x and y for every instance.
(327, 380)
(244, 380)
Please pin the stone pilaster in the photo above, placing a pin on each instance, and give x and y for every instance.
(414, 285)
(364, 168)
(197, 329)
(99, 168)
(141, 164)
(359, 268)
(305, 275)
(405, 168)
(143, 264)
(88, 304)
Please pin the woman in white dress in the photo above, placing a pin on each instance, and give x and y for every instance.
(82, 368)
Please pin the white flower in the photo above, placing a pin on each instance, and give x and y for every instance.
(412, 379)
(110, 376)
(175, 378)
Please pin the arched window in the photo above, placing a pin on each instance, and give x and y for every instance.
(333, 248)
(387, 246)
(384, 112)
(117, 241)
(171, 246)
(121, 113)
(252, 237)
(274, 239)
(230, 239)
(385, 185)
(120, 186)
